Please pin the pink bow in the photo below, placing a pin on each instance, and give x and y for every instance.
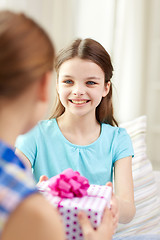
(69, 184)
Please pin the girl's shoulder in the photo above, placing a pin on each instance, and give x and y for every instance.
(114, 133)
(47, 124)
(113, 129)
(119, 140)
(43, 127)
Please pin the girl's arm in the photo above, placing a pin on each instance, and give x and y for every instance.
(26, 161)
(23, 157)
(34, 219)
(124, 190)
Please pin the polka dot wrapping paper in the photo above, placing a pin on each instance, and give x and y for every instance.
(98, 197)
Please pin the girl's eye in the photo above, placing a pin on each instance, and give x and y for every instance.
(68, 81)
(91, 83)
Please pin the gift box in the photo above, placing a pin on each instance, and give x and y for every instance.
(93, 203)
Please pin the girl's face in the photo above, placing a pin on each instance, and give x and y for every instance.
(81, 86)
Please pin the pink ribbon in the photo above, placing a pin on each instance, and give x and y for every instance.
(68, 184)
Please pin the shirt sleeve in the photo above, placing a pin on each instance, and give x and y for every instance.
(122, 145)
(16, 183)
(26, 143)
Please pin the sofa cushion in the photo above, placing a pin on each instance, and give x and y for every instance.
(147, 201)
(157, 178)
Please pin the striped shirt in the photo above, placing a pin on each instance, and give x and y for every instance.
(16, 183)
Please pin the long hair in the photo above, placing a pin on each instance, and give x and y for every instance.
(89, 49)
(26, 53)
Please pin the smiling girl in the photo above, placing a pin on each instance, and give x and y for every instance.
(82, 132)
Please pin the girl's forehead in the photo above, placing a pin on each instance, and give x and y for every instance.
(77, 60)
(80, 66)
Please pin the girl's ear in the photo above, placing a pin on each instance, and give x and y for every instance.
(106, 89)
(44, 87)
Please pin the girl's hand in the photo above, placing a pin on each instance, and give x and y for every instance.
(103, 232)
(114, 207)
(42, 178)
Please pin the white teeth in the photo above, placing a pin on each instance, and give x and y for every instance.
(79, 102)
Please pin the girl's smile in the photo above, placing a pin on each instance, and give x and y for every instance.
(79, 101)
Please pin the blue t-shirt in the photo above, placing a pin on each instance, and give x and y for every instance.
(50, 152)
(16, 183)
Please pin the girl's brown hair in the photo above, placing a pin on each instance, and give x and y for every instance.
(26, 53)
(89, 49)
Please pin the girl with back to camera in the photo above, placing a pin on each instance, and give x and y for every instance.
(83, 127)
(26, 63)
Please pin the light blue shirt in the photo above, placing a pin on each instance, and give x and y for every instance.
(50, 152)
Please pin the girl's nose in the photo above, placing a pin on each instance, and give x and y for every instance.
(78, 90)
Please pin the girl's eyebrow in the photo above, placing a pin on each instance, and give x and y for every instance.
(93, 77)
(87, 78)
(67, 76)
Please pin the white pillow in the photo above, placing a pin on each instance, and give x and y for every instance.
(147, 201)
(157, 179)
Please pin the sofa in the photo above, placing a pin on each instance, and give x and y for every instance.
(146, 185)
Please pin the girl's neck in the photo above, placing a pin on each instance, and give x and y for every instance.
(9, 129)
(79, 130)
(14, 118)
